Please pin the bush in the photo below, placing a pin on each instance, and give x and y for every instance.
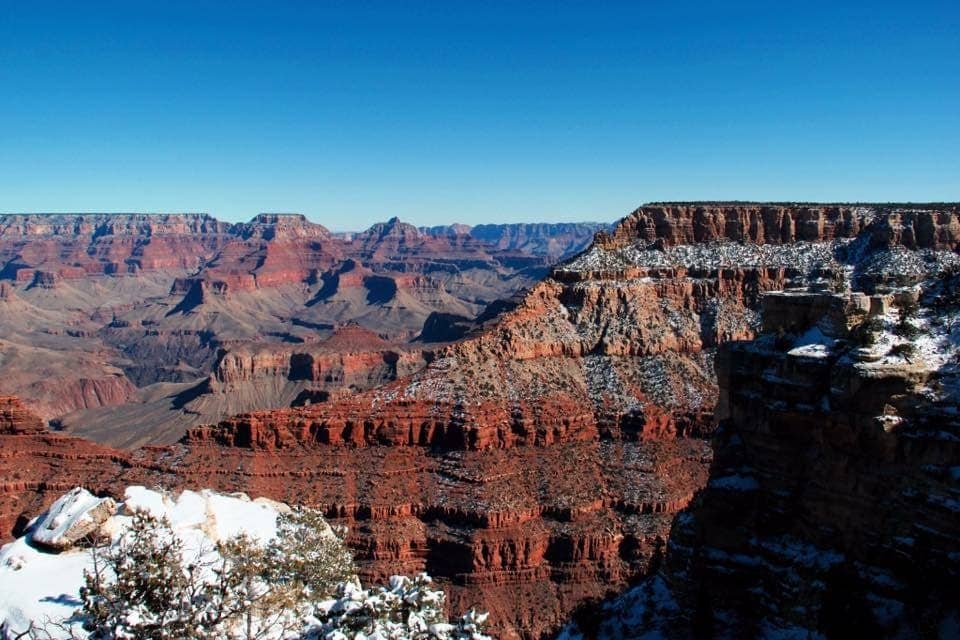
(905, 327)
(138, 587)
(144, 587)
(407, 608)
(307, 557)
(865, 333)
(299, 585)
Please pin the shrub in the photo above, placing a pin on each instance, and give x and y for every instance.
(143, 586)
(406, 608)
(299, 585)
(307, 557)
(138, 587)
(865, 333)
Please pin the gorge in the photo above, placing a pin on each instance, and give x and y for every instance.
(711, 401)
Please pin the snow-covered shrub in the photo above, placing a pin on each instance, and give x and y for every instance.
(204, 566)
(306, 556)
(143, 585)
(138, 587)
(405, 609)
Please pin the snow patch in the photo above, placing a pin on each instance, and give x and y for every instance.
(36, 585)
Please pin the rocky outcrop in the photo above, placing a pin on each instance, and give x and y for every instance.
(16, 419)
(351, 359)
(838, 465)
(72, 519)
(36, 465)
(832, 505)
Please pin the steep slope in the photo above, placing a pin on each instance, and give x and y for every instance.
(598, 376)
(36, 465)
(833, 506)
(248, 377)
(609, 361)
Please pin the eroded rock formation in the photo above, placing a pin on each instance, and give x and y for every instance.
(832, 507)
(101, 313)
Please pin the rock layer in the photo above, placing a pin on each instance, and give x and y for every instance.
(832, 506)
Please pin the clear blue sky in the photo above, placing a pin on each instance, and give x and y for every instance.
(354, 112)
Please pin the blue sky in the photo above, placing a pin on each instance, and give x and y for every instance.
(354, 112)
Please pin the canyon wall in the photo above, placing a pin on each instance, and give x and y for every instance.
(833, 504)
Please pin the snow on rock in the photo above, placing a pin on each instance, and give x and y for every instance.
(70, 519)
(812, 344)
(37, 585)
(644, 612)
(735, 482)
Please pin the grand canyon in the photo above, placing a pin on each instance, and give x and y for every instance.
(710, 419)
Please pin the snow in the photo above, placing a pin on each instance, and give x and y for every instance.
(812, 344)
(38, 585)
(735, 483)
(71, 512)
(643, 612)
(806, 257)
(937, 342)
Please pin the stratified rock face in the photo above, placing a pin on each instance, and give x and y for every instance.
(78, 245)
(832, 508)
(36, 465)
(15, 419)
(524, 532)
(779, 224)
(757, 223)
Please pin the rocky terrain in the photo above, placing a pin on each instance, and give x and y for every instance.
(118, 326)
(833, 505)
(550, 458)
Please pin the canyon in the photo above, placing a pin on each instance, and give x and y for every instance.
(688, 404)
(124, 327)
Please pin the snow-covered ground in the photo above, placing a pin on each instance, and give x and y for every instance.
(936, 343)
(803, 256)
(39, 585)
(40, 589)
(812, 344)
(811, 260)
